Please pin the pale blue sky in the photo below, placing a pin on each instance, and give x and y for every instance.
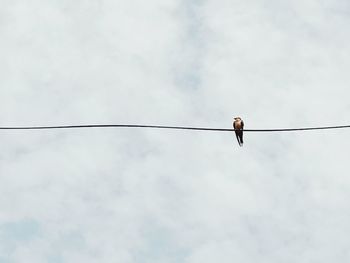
(172, 196)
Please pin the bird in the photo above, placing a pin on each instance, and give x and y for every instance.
(238, 125)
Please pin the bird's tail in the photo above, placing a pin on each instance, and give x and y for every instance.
(239, 136)
(239, 140)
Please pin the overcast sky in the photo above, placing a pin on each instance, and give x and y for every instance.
(135, 196)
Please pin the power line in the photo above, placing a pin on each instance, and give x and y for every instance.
(168, 127)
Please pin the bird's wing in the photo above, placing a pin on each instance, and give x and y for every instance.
(242, 124)
(234, 125)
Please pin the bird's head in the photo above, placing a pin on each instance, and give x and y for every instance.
(237, 118)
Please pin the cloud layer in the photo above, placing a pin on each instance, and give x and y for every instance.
(173, 196)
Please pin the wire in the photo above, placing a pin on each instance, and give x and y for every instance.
(167, 127)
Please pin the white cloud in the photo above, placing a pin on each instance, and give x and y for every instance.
(174, 196)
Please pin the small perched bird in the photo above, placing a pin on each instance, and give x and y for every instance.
(238, 125)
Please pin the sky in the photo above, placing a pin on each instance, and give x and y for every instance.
(138, 195)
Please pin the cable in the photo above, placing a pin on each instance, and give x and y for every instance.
(167, 127)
